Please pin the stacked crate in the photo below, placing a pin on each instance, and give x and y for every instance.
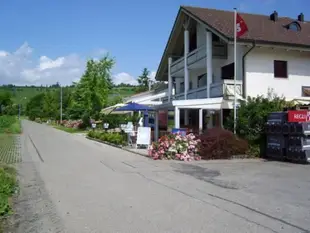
(288, 136)
(276, 140)
(298, 148)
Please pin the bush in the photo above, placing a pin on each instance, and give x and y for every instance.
(115, 138)
(7, 188)
(86, 120)
(114, 120)
(252, 116)
(218, 143)
(9, 124)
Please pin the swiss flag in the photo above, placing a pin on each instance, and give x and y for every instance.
(241, 26)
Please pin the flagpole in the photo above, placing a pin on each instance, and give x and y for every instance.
(235, 69)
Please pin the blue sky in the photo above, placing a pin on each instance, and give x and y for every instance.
(44, 41)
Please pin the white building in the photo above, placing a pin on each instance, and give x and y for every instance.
(198, 62)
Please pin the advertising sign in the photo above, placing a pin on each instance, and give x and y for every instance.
(144, 136)
(298, 116)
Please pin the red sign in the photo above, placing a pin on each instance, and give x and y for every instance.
(298, 116)
(241, 26)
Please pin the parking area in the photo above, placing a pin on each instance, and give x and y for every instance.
(268, 192)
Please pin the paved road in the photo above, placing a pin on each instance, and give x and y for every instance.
(71, 184)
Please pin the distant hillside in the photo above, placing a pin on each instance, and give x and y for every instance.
(22, 94)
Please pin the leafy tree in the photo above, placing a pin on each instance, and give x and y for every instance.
(50, 106)
(115, 100)
(35, 106)
(5, 99)
(144, 80)
(91, 92)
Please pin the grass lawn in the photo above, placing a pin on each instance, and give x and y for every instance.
(10, 154)
(69, 130)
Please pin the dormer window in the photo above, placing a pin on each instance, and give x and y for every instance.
(294, 26)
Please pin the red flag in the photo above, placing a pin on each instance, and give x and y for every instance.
(241, 26)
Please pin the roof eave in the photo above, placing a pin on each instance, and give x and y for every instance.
(209, 27)
(167, 45)
(271, 43)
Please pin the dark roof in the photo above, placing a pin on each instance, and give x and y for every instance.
(260, 27)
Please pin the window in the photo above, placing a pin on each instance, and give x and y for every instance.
(305, 91)
(193, 41)
(228, 71)
(190, 85)
(182, 88)
(280, 69)
(294, 26)
(202, 80)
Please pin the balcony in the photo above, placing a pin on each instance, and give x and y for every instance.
(218, 50)
(225, 89)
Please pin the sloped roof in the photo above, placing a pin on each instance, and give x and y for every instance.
(260, 27)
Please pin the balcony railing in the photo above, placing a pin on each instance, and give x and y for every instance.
(225, 89)
(198, 93)
(218, 51)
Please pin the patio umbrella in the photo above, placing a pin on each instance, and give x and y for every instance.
(136, 108)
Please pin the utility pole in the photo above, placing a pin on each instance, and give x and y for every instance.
(60, 104)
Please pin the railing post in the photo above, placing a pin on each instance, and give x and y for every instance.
(209, 60)
(186, 50)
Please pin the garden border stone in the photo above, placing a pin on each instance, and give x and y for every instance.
(119, 147)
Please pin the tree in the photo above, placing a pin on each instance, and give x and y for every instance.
(50, 106)
(35, 106)
(92, 91)
(144, 80)
(5, 98)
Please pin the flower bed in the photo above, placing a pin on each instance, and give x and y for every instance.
(76, 124)
(175, 146)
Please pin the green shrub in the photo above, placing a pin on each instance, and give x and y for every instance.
(114, 120)
(114, 138)
(252, 116)
(8, 185)
(9, 124)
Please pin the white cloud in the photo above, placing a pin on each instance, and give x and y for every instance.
(47, 63)
(20, 68)
(153, 75)
(124, 78)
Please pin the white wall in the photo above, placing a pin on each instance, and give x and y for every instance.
(260, 72)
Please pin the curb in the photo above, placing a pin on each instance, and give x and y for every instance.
(117, 146)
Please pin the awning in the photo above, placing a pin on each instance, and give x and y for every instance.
(109, 109)
(210, 103)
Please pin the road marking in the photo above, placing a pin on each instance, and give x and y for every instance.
(38, 152)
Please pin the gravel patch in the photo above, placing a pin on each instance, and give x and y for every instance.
(10, 149)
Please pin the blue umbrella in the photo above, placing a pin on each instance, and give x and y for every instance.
(134, 107)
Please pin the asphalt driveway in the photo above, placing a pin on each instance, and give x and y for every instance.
(71, 184)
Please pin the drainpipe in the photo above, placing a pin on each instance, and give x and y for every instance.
(243, 70)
